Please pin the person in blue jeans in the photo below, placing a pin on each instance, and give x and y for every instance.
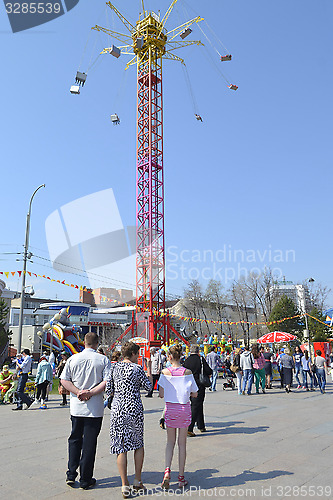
(246, 366)
(213, 360)
(306, 371)
(298, 365)
(25, 368)
(321, 368)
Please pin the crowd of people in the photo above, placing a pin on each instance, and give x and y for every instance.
(181, 381)
(13, 385)
(255, 366)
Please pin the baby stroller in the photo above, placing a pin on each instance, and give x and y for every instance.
(229, 383)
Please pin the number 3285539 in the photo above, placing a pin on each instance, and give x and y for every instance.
(33, 8)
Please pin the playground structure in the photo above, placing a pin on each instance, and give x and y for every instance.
(60, 335)
(149, 43)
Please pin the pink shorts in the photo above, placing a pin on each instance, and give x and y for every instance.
(177, 416)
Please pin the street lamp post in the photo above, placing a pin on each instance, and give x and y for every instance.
(303, 306)
(26, 246)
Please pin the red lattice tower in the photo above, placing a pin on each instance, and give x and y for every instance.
(150, 43)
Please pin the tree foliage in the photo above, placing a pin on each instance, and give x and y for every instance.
(285, 308)
(318, 331)
(3, 323)
(217, 300)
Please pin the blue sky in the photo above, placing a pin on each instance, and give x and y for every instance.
(253, 177)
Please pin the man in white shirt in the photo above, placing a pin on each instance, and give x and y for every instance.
(25, 368)
(85, 375)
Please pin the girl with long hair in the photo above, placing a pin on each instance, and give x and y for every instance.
(176, 385)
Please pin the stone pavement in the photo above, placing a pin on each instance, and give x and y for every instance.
(273, 446)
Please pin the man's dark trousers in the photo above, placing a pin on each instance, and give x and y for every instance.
(197, 410)
(82, 445)
(155, 379)
(21, 396)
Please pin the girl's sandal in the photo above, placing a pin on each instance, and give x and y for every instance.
(182, 482)
(137, 485)
(166, 478)
(126, 491)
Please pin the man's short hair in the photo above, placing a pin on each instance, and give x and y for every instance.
(26, 351)
(91, 338)
(194, 349)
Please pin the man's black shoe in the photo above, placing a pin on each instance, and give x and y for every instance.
(86, 486)
(18, 408)
(70, 481)
(148, 396)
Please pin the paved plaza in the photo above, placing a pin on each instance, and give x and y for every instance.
(276, 445)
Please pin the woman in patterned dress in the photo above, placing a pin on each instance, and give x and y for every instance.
(126, 423)
(176, 385)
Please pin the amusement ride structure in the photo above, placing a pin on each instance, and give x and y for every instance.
(149, 43)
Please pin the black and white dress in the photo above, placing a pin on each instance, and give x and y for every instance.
(126, 423)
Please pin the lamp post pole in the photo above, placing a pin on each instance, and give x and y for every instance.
(26, 246)
(303, 306)
(308, 333)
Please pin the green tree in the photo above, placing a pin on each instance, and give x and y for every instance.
(318, 331)
(285, 308)
(3, 323)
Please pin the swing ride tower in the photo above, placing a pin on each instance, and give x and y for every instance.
(150, 242)
(149, 42)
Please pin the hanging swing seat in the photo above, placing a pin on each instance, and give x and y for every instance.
(115, 119)
(185, 33)
(114, 51)
(139, 43)
(80, 78)
(75, 89)
(198, 117)
(233, 87)
(227, 57)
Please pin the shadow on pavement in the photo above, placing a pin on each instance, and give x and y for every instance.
(203, 478)
(109, 482)
(158, 410)
(227, 428)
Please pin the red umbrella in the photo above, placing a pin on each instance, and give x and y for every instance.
(271, 337)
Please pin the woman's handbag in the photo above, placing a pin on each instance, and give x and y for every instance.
(109, 400)
(234, 368)
(203, 378)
